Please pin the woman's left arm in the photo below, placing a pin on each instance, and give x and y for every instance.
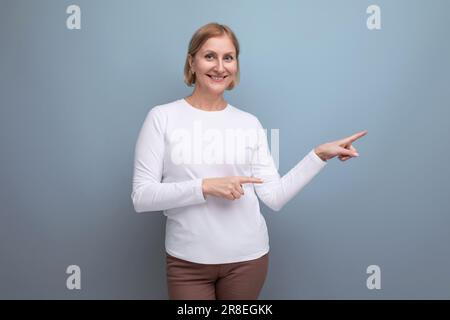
(276, 191)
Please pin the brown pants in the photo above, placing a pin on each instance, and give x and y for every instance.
(229, 281)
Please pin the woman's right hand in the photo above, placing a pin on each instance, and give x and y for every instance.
(227, 187)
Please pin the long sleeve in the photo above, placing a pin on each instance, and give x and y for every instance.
(276, 191)
(148, 193)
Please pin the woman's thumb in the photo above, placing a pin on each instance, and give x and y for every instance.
(347, 152)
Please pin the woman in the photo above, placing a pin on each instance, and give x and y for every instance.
(205, 163)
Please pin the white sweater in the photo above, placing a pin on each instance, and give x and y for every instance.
(179, 145)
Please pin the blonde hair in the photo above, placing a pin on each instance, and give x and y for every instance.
(202, 35)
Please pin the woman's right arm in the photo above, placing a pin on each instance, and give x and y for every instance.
(148, 193)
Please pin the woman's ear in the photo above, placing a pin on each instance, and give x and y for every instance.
(190, 61)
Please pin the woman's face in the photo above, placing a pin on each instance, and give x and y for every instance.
(216, 58)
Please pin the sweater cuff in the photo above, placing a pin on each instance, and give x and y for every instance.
(316, 159)
(198, 190)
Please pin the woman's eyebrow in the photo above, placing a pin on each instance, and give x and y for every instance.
(231, 52)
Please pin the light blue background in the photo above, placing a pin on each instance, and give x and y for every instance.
(73, 101)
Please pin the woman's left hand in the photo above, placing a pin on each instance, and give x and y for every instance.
(342, 148)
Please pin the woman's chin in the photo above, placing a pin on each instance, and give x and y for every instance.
(216, 89)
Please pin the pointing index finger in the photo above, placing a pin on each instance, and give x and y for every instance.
(355, 136)
(250, 180)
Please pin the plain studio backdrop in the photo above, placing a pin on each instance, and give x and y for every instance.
(73, 101)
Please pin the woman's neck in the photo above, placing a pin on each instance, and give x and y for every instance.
(206, 101)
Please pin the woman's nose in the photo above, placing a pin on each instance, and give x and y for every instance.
(219, 66)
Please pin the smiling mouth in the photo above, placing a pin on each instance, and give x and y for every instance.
(217, 79)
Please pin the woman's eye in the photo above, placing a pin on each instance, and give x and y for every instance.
(210, 56)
